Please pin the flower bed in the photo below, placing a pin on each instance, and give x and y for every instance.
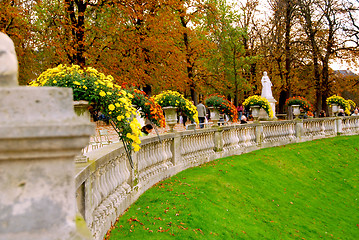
(175, 99)
(98, 89)
(223, 105)
(256, 100)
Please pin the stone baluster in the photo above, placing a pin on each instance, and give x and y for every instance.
(292, 130)
(284, 131)
(347, 124)
(191, 147)
(245, 136)
(211, 142)
(352, 124)
(239, 132)
(183, 146)
(356, 123)
(170, 153)
(225, 139)
(185, 143)
(250, 136)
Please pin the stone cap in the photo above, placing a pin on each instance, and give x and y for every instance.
(35, 105)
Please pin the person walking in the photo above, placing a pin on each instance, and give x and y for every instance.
(322, 114)
(240, 111)
(201, 109)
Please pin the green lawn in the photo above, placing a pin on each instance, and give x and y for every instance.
(297, 191)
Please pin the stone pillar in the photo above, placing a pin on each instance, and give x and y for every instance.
(39, 138)
(339, 125)
(272, 102)
(299, 130)
(176, 149)
(218, 140)
(259, 134)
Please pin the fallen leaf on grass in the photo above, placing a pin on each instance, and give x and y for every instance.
(134, 220)
(198, 229)
(181, 227)
(163, 230)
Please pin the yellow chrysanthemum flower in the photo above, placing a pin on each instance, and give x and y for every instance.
(111, 107)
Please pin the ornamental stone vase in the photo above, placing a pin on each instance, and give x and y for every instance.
(214, 115)
(296, 111)
(171, 116)
(82, 111)
(255, 111)
(335, 109)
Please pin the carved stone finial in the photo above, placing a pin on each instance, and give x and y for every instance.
(8, 62)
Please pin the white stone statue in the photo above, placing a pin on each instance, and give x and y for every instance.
(8, 62)
(266, 87)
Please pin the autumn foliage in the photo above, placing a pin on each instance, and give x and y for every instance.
(195, 47)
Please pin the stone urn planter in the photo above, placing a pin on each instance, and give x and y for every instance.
(255, 111)
(335, 109)
(214, 115)
(171, 116)
(81, 110)
(296, 110)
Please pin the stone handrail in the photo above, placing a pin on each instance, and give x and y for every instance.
(107, 186)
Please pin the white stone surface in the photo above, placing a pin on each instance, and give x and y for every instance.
(267, 93)
(266, 87)
(39, 137)
(8, 62)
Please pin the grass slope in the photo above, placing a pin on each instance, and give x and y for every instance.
(297, 191)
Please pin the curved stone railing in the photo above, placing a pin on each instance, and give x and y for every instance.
(107, 186)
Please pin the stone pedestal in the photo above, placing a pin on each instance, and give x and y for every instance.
(39, 138)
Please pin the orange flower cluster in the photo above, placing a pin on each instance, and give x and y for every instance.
(297, 100)
(224, 106)
(149, 108)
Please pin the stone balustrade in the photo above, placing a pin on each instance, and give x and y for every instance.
(317, 128)
(107, 185)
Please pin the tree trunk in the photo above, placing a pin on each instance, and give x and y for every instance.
(194, 94)
(77, 26)
(288, 54)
